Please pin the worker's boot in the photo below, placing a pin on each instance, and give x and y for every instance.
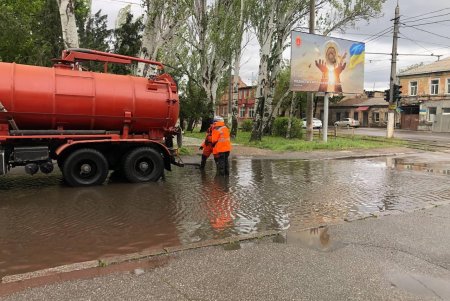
(203, 163)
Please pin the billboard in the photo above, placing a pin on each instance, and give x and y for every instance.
(326, 64)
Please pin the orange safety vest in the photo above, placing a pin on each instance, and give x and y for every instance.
(208, 139)
(220, 138)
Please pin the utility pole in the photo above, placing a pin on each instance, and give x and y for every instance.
(393, 80)
(310, 95)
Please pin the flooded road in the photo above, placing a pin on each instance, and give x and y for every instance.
(44, 223)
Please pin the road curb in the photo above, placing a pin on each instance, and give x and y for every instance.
(112, 260)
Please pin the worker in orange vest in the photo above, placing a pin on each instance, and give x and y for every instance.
(207, 147)
(220, 139)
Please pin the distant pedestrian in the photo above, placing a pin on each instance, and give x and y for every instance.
(221, 145)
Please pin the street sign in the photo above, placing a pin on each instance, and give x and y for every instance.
(326, 64)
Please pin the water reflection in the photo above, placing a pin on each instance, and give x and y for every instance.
(44, 224)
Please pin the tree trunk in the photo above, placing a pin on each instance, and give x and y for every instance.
(235, 101)
(237, 65)
(68, 23)
(291, 114)
(261, 90)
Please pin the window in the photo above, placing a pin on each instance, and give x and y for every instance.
(434, 87)
(431, 114)
(242, 112)
(445, 111)
(355, 115)
(376, 117)
(413, 88)
(251, 112)
(448, 85)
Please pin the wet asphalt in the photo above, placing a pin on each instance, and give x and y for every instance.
(395, 257)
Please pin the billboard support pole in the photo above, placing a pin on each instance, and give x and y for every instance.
(325, 117)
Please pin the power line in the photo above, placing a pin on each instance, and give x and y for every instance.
(415, 42)
(432, 17)
(405, 54)
(378, 35)
(438, 35)
(440, 21)
(421, 15)
(432, 43)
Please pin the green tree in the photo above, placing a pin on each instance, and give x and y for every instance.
(127, 41)
(30, 31)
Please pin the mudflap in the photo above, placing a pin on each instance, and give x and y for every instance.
(2, 163)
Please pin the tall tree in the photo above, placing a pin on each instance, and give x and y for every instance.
(30, 31)
(127, 40)
(273, 20)
(210, 34)
(94, 34)
(163, 19)
(68, 23)
(237, 63)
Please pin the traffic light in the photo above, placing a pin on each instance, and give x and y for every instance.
(387, 95)
(397, 93)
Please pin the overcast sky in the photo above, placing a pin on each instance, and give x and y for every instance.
(377, 67)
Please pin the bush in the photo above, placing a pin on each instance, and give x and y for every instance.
(280, 126)
(247, 125)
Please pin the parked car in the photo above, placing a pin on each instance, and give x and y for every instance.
(317, 123)
(347, 122)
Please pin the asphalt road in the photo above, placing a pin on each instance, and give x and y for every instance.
(396, 257)
(402, 134)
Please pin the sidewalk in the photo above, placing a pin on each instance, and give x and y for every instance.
(396, 257)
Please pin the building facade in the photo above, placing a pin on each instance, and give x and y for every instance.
(246, 102)
(425, 102)
(369, 109)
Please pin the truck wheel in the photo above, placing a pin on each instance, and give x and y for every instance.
(143, 164)
(85, 167)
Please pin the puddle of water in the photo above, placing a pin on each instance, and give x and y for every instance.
(422, 285)
(45, 224)
(315, 238)
(411, 164)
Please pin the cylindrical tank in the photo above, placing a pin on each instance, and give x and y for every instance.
(41, 98)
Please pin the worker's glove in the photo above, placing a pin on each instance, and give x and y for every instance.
(200, 148)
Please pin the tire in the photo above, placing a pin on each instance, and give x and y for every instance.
(85, 167)
(143, 164)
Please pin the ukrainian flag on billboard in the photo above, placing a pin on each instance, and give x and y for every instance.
(356, 54)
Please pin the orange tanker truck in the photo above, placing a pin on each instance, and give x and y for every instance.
(88, 122)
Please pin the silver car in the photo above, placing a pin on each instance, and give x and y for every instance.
(347, 122)
(317, 123)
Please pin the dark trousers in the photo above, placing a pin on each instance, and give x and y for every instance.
(223, 167)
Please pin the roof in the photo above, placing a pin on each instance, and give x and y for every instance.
(361, 102)
(375, 101)
(438, 66)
